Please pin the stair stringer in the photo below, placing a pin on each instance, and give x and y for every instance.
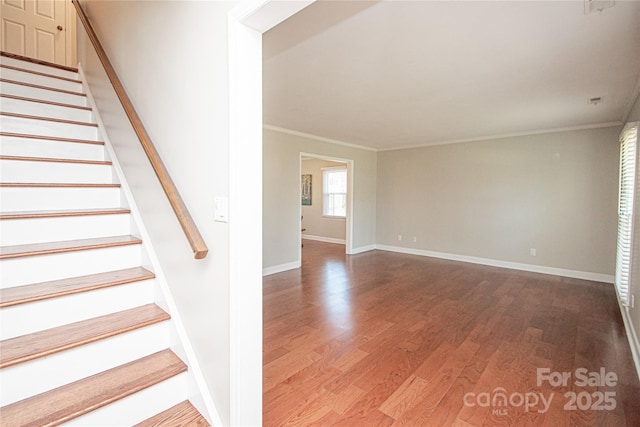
(198, 391)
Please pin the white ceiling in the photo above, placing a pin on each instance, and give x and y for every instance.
(409, 73)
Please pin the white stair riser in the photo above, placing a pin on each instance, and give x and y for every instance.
(37, 376)
(48, 128)
(40, 375)
(18, 320)
(39, 80)
(12, 146)
(59, 172)
(31, 108)
(139, 406)
(42, 268)
(40, 230)
(14, 199)
(36, 67)
(44, 94)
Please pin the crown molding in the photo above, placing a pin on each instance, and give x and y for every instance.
(453, 141)
(508, 135)
(316, 137)
(634, 96)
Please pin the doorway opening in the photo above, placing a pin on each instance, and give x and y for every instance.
(326, 207)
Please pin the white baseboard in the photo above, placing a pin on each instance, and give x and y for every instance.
(280, 268)
(632, 335)
(362, 249)
(585, 275)
(324, 239)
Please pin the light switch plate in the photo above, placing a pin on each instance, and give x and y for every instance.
(221, 209)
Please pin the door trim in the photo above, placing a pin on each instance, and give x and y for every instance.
(350, 196)
(71, 52)
(246, 23)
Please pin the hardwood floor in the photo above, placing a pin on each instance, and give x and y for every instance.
(381, 338)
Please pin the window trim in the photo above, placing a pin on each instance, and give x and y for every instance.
(627, 201)
(324, 193)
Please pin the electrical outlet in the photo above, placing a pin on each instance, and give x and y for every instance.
(399, 237)
(632, 301)
(415, 239)
(532, 252)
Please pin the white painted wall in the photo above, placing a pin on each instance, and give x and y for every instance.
(281, 193)
(497, 199)
(173, 60)
(313, 221)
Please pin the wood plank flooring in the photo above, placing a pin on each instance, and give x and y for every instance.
(382, 339)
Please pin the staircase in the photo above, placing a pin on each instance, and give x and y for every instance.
(84, 340)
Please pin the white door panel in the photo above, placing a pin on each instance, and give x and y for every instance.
(34, 28)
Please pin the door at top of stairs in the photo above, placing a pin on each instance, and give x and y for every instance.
(40, 29)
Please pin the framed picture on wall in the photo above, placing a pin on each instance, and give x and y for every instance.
(306, 190)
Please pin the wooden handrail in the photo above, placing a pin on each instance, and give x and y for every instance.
(189, 227)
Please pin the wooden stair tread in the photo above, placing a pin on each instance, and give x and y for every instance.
(43, 343)
(57, 288)
(184, 414)
(78, 398)
(51, 138)
(52, 89)
(47, 119)
(62, 213)
(57, 185)
(56, 160)
(66, 246)
(38, 73)
(38, 61)
(43, 101)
